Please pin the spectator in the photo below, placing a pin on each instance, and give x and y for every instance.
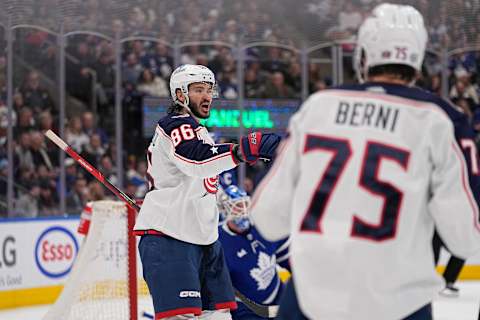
(26, 122)
(320, 84)
(96, 191)
(70, 175)
(105, 78)
(293, 78)
(160, 62)
(35, 96)
(90, 127)
(27, 205)
(463, 87)
(45, 121)
(276, 88)
(94, 150)
(47, 202)
(152, 85)
(131, 72)
(23, 153)
(228, 86)
(79, 80)
(253, 87)
(77, 197)
(40, 154)
(107, 169)
(273, 62)
(74, 134)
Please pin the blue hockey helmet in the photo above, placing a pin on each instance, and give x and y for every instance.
(235, 203)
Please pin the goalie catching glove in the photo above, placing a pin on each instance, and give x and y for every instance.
(257, 146)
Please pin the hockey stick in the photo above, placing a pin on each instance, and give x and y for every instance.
(259, 309)
(97, 174)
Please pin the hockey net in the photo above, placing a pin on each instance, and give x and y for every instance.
(104, 283)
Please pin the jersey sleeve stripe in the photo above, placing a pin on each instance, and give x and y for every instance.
(466, 187)
(202, 161)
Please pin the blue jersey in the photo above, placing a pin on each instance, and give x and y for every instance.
(252, 262)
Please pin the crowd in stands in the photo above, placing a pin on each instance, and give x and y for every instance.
(270, 72)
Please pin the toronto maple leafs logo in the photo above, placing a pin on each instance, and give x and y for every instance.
(265, 272)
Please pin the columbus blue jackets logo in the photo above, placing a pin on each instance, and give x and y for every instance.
(265, 272)
(211, 184)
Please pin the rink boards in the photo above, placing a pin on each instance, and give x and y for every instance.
(36, 256)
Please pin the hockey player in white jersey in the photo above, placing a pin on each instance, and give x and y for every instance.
(183, 262)
(365, 175)
(252, 261)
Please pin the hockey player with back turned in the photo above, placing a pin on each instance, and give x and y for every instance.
(365, 175)
(182, 259)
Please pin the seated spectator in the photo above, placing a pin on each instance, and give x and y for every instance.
(96, 191)
(107, 169)
(321, 84)
(466, 105)
(40, 154)
(90, 127)
(274, 63)
(293, 77)
(93, 151)
(105, 71)
(152, 85)
(74, 134)
(131, 72)
(77, 197)
(228, 86)
(70, 175)
(47, 202)
(253, 87)
(27, 205)
(463, 87)
(160, 62)
(26, 122)
(35, 96)
(276, 88)
(23, 153)
(45, 121)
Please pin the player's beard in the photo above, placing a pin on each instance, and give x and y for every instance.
(194, 107)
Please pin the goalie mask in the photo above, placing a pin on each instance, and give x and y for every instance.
(187, 74)
(393, 34)
(235, 204)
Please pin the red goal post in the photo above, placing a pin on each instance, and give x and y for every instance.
(105, 281)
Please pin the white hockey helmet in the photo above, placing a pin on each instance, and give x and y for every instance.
(187, 74)
(393, 34)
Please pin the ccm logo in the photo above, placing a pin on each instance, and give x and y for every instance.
(189, 294)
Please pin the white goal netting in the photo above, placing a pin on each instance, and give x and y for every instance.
(99, 285)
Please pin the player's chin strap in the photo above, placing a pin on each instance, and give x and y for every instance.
(184, 104)
(259, 309)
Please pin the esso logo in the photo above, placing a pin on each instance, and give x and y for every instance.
(55, 251)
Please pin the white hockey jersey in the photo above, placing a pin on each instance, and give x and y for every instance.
(183, 164)
(365, 174)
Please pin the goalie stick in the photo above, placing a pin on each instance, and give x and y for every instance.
(259, 309)
(97, 174)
